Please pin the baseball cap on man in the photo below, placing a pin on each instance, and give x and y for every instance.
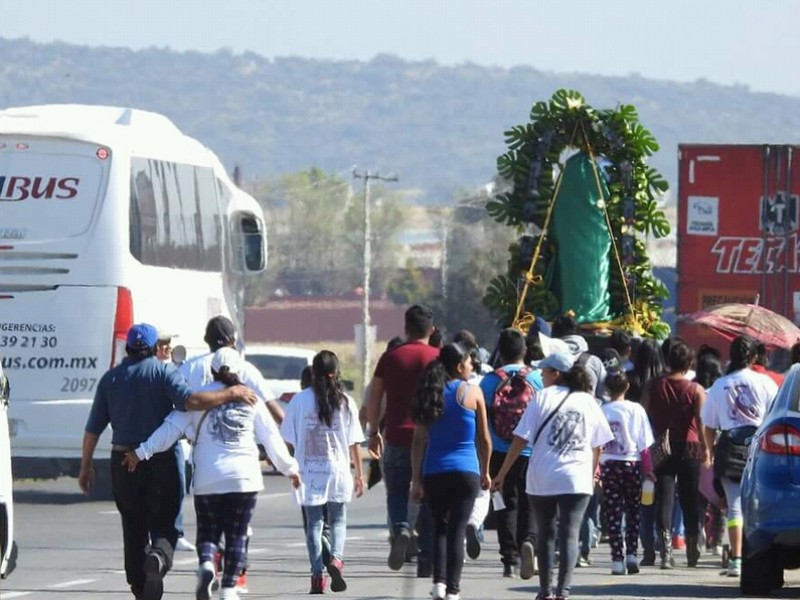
(558, 361)
(220, 331)
(226, 357)
(141, 336)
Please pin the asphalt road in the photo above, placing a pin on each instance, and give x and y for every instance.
(71, 547)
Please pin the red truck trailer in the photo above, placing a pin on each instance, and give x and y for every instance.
(738, 230)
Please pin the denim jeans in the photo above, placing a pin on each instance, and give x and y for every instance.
(315, 518)
(566, 513)
(589, 525)
(397, 478)
(181, 486)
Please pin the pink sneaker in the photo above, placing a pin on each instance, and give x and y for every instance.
(318, 585)
(336, 571)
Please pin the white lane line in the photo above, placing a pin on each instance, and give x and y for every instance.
(9, 595)
(277, 495)
(108, 512)
(73, 583)
(193, 561)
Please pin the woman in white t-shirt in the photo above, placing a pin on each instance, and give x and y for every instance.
(566, 430)
(625, 460)
(742, 397)
(227, 472)
(321, 424)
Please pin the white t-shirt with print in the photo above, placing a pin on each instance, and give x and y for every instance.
(562, 459)
(225, 451)
(197, 372)
(631, 428)
(323, 452)
(741, 398)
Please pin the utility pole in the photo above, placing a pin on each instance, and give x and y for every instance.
(367, 176)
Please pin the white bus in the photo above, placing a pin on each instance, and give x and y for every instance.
(108, 216)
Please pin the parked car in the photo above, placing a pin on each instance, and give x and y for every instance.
(281, 367)
(771, 494)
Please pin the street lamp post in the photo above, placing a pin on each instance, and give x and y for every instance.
(367, 176)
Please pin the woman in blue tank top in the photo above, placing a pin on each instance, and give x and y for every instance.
(449, 459)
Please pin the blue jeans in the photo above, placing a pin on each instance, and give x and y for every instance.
(315, 518)
(588, 525)
(558, 516)
(181, 486)
(397, 478)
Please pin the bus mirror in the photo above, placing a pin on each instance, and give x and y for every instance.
(253, 258)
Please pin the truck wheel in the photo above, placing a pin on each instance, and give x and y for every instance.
(760, 573)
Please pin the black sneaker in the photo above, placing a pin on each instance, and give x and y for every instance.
(473, 543)
(397, 554)
(511, 571)
(154, 579)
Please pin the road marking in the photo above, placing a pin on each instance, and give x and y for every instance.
(268, 496)
(74, 582)
(108, 512)
(9, 595)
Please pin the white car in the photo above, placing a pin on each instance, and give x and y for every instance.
(281, 367)
(8, 548)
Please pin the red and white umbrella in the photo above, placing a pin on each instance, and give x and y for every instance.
(762, 324)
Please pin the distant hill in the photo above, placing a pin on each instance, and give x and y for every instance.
(441, 128)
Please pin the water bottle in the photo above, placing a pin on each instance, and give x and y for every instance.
(648, 489)
(497, 501)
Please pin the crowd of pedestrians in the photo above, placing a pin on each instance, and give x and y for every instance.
(573, 447)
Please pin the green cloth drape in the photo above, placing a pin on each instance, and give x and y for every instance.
(583, 243)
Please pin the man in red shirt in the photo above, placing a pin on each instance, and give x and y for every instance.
(397, 374)
(760, 366)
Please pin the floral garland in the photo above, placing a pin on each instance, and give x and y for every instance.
(566, 123)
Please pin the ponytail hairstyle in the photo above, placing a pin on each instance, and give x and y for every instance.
(617, 382)
(226, 376)
(327, 385)
(743, 353)
(577, 380)
(428, 404)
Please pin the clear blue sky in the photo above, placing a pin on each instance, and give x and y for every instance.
(751, 42)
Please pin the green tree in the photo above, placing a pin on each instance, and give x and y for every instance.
(409, 286)
(315, 236)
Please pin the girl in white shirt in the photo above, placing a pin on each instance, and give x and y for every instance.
(740, 398)
(565, 429)
(227, 473)
(321, 424)
(625, 460)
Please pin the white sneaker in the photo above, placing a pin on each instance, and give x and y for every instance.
(184, 545)
(439, 591)
(527, 567)
(205, 579)
(229, 594)
(617, 567)
(632, 564)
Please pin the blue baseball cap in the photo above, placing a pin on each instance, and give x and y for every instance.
(141, 336)
(558, 361)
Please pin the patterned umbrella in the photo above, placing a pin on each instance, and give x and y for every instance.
(758, 322)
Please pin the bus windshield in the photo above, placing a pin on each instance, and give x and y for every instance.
(49, 188)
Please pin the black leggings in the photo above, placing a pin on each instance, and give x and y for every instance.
(450, 496)
(688, 473)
